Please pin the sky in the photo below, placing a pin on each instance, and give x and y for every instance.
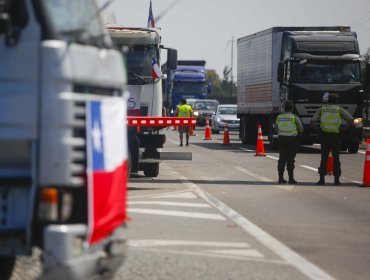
(204, 29)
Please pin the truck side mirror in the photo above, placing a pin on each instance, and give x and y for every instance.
(280, 72)
(368, 73)
(209, 88)
(171, 59)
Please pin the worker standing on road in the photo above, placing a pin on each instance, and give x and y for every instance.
(184, 111)
(330, 117)
(288, 125)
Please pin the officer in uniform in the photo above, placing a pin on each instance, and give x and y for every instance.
(288, 125)
(330, 117)
(184, 111)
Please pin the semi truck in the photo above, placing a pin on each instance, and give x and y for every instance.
(141, 51)
(188, 80)
(57, 62)
(301, 64)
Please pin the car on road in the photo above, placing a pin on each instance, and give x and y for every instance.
(204, 109)
(225, 113)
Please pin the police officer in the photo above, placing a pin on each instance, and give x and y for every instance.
(184, 111)
(288, 125)
(330, 117)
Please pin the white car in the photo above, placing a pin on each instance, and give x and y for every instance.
(225, 113)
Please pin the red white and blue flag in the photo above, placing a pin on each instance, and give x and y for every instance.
(156, 70)
(151, 21)
(106, 134)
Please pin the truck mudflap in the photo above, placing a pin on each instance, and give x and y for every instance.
(67, 257)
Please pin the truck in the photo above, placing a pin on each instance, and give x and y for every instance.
(57, 61)
(141, 51)
(188, 81)
(301, 64)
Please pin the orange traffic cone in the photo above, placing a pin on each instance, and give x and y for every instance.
(366, 180)
(329, 164)
(207, 135)
(226, 140)
(192, 131)
(260, 149)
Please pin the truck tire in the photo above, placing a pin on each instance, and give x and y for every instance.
(151, 169)
(248, 130)
(273, 141)
(6, 267)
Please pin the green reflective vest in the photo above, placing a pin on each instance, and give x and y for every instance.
(286, 124)
(184, 111)
(330, 118)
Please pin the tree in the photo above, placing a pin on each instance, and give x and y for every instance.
(367, 55)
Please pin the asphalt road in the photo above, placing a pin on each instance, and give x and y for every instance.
(223, 216)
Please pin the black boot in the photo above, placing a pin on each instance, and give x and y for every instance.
(291, 178)
(281, 178)
(336, 181)
(322, 180)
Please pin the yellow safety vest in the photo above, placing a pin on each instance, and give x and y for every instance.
(286, 124)
(330, 118)
(184, 111)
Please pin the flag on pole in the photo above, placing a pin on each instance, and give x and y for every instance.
(107, 155)
(156, 70)
(151, 21)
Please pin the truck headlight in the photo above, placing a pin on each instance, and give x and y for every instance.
(358, 123)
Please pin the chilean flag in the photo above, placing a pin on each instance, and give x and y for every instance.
(156, 71)
(151, 21)
(107, 155)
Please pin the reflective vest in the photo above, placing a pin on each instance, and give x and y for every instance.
(184, 111)
(286, 124)
(330, 118)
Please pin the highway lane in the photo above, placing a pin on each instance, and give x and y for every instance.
(226, 197)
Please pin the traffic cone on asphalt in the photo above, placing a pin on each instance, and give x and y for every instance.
(260, 149)
(207, 135)
(226, 140)
(191, 131)
(366, 179)
(329, 164)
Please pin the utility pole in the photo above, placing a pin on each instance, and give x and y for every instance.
(231, 65)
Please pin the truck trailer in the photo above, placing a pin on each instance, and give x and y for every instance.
(301, 64)
(57, 62)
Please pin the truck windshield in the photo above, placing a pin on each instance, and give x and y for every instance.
(189, 88)
(324, 73)
(139, 64)
(79, 21)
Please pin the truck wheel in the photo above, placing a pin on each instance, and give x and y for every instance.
(353, 148)
(273, 141)
(6, 267)
(248, 130)
(151, 169)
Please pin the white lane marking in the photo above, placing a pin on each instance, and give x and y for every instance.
(204, 254)
(362, 152)
(239, 252)
(246, 150)
(309, 168)
(172, 141)
(162, 242)
(272, 157)
(177, 214)
(252, 174)
(166, 203)
(357, 182)
(177, 194)
(284, 187)
(309, 269)
(186, 194)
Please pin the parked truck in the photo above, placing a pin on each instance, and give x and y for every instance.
(56, 63)
(188, 80)
(141, 51)
(301, 64)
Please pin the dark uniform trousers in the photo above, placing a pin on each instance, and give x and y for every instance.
(288, 146)
(330, 142)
